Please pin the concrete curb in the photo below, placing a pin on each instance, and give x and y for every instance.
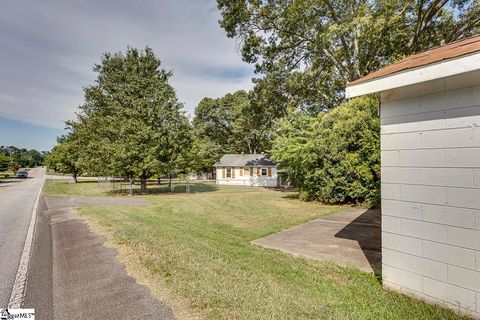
(18, 291)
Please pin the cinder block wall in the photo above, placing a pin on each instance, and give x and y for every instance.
(430, 141)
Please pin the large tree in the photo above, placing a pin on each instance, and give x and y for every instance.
(234, 123)
(204, 155)
(65, 156)
(31, 158)
(213, 122)
(131, 123)
(317, 46)
(252, 124)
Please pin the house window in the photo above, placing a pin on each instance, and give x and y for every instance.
(264, 172)
(269, 172)
(251, 171)
(229, 172)
(241, 171)
(258, 171)
(223, 173)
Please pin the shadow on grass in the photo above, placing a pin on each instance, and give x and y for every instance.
(83, 181)
(294, 196)
(288, 193)
(14, 179)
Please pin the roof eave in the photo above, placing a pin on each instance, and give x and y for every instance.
(438, 70)
(244, 165)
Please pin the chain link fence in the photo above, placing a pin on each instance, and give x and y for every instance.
(175, 185)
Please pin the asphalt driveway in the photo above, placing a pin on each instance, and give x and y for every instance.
(88, 281)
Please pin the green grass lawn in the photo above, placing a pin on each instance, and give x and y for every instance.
(90, 187)
(6, 175)
(82, 188)
(194, 252)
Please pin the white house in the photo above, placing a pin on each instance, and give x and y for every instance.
(247, 170)
(430, 160)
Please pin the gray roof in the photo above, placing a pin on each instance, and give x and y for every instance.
(245, 160)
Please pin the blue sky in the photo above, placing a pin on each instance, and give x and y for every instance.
(27, 135)
(49, 48)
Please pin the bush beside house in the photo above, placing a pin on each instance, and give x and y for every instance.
(333, 157)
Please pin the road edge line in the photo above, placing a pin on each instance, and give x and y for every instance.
(18, 290)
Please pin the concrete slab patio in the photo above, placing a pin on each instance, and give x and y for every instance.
(351, 237)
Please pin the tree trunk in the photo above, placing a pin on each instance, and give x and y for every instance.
(75, 176)
(143, 184)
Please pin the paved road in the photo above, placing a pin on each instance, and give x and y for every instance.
(17, 198)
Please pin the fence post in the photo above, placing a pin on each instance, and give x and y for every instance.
(131, 186)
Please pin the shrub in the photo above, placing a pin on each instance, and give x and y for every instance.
(4, 161)
(333, 157)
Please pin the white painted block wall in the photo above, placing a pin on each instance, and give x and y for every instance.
(431, 194)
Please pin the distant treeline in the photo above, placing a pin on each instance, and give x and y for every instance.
(12, 157)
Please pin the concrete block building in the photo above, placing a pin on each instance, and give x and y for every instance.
(430, 159)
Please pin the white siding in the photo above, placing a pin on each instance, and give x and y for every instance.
(431, 195)
(247, 180)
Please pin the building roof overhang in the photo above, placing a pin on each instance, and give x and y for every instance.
(449, 60)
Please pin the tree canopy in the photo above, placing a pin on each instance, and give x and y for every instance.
(235, 122)
(131, 123)
(23, 157)
(64, 157)
(317, 46)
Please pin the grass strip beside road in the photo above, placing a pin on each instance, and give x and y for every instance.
(194, 252)
(63, 187)
(6, 175)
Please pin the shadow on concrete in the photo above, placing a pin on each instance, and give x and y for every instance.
(366, 230)
(10, 180)
(350, 237)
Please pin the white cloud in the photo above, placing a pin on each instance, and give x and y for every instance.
(50, 47)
